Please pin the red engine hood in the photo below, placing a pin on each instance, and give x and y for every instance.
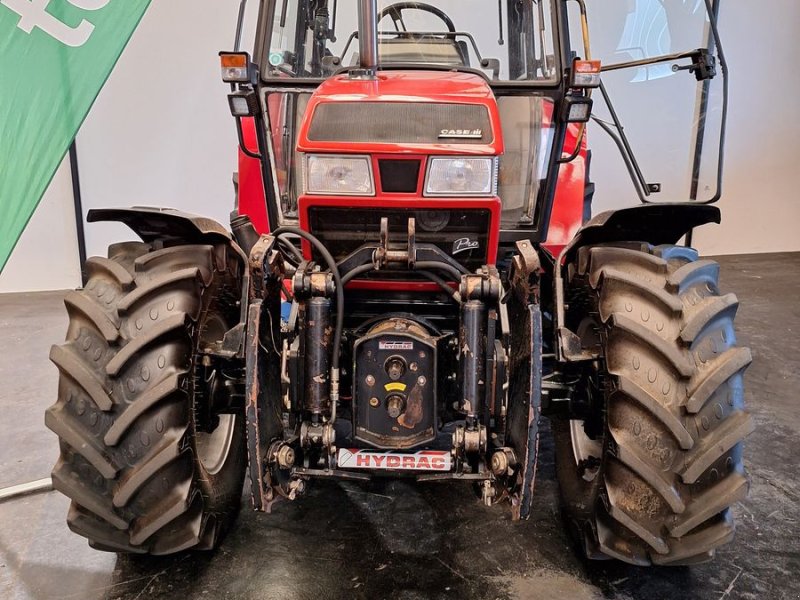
(439, 87)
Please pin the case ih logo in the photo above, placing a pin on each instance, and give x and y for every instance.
(462, 134)
(395, 345)
(425, 460)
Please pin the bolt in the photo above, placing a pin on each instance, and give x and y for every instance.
(395, 368)
(422, 381)
(413, 366)
(489, 493)
(374, 402)
(499, 463)
(285, 457)
(370, 380)
(395, 406)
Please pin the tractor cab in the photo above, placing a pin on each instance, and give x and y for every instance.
(429, 79)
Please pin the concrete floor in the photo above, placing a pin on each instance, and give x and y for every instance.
(399, 540)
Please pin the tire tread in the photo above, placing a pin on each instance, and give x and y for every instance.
(131, 472)
(678, 400)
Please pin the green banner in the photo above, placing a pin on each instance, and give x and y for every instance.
(55, 56)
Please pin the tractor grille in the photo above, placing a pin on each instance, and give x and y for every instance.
(344, 230)
(411, 122)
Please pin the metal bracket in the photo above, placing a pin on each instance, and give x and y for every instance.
(383, 255)
(703, 67)
(525, 423)
(265, 262)
(570, 347)
(310, 283)
(525, 273)
(484, 285)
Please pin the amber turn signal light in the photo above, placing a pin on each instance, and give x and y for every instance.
(586, 73)
(235, 67)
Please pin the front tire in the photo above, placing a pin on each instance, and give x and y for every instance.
(651, 476)
(142, 474)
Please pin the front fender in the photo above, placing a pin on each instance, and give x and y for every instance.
(151, 223)
(654, 224)
(175, 227)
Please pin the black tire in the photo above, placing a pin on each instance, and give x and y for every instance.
(656, 483)
(125, 414)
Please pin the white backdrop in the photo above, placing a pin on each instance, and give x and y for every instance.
(161, 134)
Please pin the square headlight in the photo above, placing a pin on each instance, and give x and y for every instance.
(461, 176)
(336, 175)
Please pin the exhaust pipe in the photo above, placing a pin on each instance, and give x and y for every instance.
(368, 35)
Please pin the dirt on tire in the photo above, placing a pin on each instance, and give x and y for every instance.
(671, 464)
(125, 413)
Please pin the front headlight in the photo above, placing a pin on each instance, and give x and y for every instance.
(338, 175)
(462, 176)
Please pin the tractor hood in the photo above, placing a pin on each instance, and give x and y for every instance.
(422, 112)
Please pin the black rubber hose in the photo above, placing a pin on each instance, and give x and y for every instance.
(290, 248)
(337, 279)
(430, 265)
(442, 284)
(432, 276)
(356, 272)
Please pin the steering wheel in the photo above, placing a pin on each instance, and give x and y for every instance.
(395, 11)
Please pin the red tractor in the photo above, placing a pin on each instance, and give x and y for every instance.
(412, 279)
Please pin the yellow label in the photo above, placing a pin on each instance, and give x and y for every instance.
(395, 387)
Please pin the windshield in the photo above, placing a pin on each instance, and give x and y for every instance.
(508, 40)
(672, 121)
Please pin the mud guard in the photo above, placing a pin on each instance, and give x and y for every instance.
(525, 405)
(655, 224)
(151, 223)
(177, 227)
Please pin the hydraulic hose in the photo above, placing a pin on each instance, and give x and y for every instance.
(442, 284)
(291, 249)
(337, 279)
(358, 271)
(430, 265)
(282, 232)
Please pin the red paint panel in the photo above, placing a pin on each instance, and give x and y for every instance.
(393, 86)
(405, 86)
(252, 199)
(396, 286)
(567, 214)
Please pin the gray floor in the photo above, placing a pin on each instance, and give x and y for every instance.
(400, 540)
